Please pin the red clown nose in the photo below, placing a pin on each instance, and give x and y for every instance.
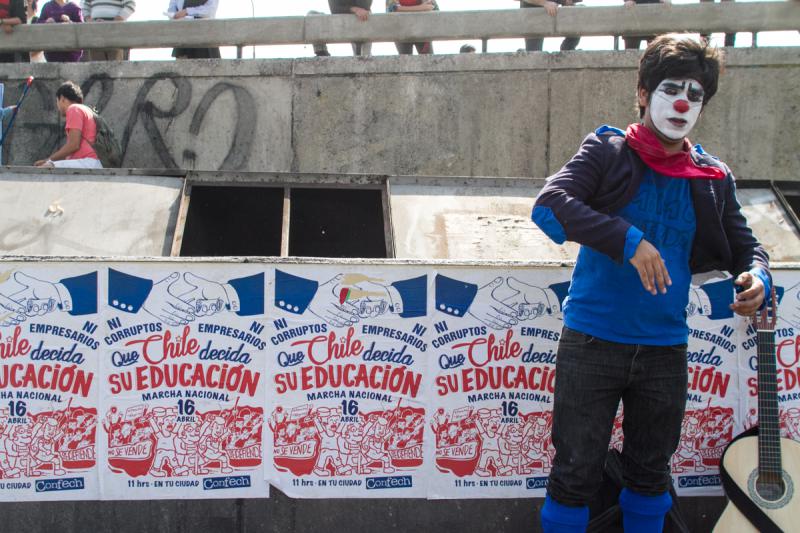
(681, 106)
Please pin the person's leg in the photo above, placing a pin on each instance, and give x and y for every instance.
(78, 163)
(570, 43)
(560, 518)
(632, 42)
(644, 514)
(424, 48)
(705, 36)
(653, 407)
(730, 38)
(404, 48)
(320, 49)
(590, 377)
(535, 44)
(362, 49)
(104, 54)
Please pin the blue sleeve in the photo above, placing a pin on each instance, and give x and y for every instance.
(632, 240)
(251, 294)
(563, 207)
(414, 293)
(454, 297)
(720, 295)
(766, 280)
(127, 293)
(293, 293)
(83, 291)
(543, 217)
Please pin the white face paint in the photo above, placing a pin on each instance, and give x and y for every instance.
(675, 106)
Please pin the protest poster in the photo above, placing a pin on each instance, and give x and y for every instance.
(428, 381)
(347, 382)
(183, 382)
(49, 340)
(493, 369)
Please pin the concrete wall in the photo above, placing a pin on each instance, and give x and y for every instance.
(411, 27)
(516, 115)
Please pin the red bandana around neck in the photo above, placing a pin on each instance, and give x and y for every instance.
(677, 165)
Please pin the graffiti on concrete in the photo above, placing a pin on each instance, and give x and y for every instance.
(242, 141)
(148, 109)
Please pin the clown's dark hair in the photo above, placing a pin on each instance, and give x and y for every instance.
(676, 57)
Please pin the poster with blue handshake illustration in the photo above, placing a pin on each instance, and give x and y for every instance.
(172, 379)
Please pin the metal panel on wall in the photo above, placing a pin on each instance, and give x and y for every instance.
(89, 214)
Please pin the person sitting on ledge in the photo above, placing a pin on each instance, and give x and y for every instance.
(81, 130)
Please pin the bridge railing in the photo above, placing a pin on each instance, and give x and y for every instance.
(411, 27)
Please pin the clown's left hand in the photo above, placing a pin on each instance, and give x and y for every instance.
(750, 299)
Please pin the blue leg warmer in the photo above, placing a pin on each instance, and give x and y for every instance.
(558, 518)
(644, 514)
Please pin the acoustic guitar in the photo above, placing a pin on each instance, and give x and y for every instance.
(761, 471)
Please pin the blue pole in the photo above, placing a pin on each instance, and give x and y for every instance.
(28, 83)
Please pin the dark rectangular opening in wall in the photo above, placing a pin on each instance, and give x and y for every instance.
(233, 221)
(794, 202)
(336, 223)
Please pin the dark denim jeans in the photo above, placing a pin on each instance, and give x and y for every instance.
(592, 376)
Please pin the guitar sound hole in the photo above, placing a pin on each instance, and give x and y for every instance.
(770, 488)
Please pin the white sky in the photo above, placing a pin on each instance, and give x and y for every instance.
(154, 10)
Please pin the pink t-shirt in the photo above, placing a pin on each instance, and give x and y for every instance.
(80, 117)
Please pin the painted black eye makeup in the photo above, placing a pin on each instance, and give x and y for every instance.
(695, 94)
(672, 88)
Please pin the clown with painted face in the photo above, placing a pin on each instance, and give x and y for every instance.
(649, 210)
(674, 108)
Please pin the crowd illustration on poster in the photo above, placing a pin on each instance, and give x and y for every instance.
(494, 380)
(153, 380)
(348, 415)
(184, 387)
(48, 384)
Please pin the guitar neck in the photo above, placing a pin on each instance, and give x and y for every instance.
(769, 448)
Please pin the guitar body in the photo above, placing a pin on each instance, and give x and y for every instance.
(741, 463)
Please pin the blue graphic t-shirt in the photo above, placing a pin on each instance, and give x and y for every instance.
(607, 300)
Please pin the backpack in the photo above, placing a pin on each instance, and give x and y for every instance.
(106, 145)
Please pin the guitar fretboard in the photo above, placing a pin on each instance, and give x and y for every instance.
(769, 448)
